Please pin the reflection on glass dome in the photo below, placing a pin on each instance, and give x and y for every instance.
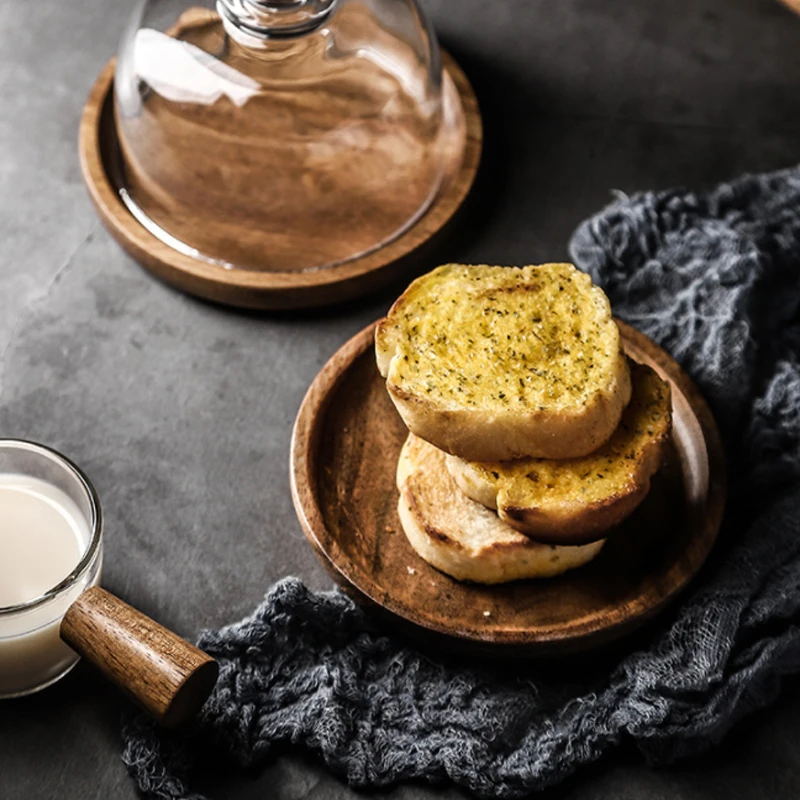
(279, 136)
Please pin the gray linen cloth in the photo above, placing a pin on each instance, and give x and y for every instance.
(715, 279)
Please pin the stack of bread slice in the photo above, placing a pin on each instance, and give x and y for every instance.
(531, 433)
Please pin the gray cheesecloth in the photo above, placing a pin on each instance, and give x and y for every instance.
(715, 279)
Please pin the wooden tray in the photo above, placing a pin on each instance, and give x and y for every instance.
(345, 445)
(101, 167)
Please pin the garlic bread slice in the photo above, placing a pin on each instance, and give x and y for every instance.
(578, 500)
(464, 539)
(497, 363)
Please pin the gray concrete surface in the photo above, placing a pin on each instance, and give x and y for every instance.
(181, 411)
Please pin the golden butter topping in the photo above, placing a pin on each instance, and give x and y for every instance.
(502, 337)
(604, 473)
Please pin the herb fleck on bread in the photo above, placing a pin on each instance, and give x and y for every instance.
(578, 500)
(497, 363)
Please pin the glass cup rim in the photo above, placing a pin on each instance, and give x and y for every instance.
(96, 523)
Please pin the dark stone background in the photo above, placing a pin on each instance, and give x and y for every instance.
(181, 412)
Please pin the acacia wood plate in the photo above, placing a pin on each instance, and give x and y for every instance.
(345, 446)
(101, 165)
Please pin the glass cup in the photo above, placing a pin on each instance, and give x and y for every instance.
(32, 655)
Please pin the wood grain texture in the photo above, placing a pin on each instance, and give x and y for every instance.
(279, 288)
(164, 674)
(311, 171)
(345, 445)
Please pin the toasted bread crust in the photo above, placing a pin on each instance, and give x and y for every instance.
(506, 436)
(577, 501)
(494, 363)
(462, 538)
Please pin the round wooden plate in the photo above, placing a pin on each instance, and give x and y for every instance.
(101, 167)
(345, 446)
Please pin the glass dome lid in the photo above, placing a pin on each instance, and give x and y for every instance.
(280, 136)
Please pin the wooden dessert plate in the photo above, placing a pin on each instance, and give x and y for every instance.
(346, 441)
(282, 281)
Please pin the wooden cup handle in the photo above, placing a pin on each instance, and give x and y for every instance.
(167, 676)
